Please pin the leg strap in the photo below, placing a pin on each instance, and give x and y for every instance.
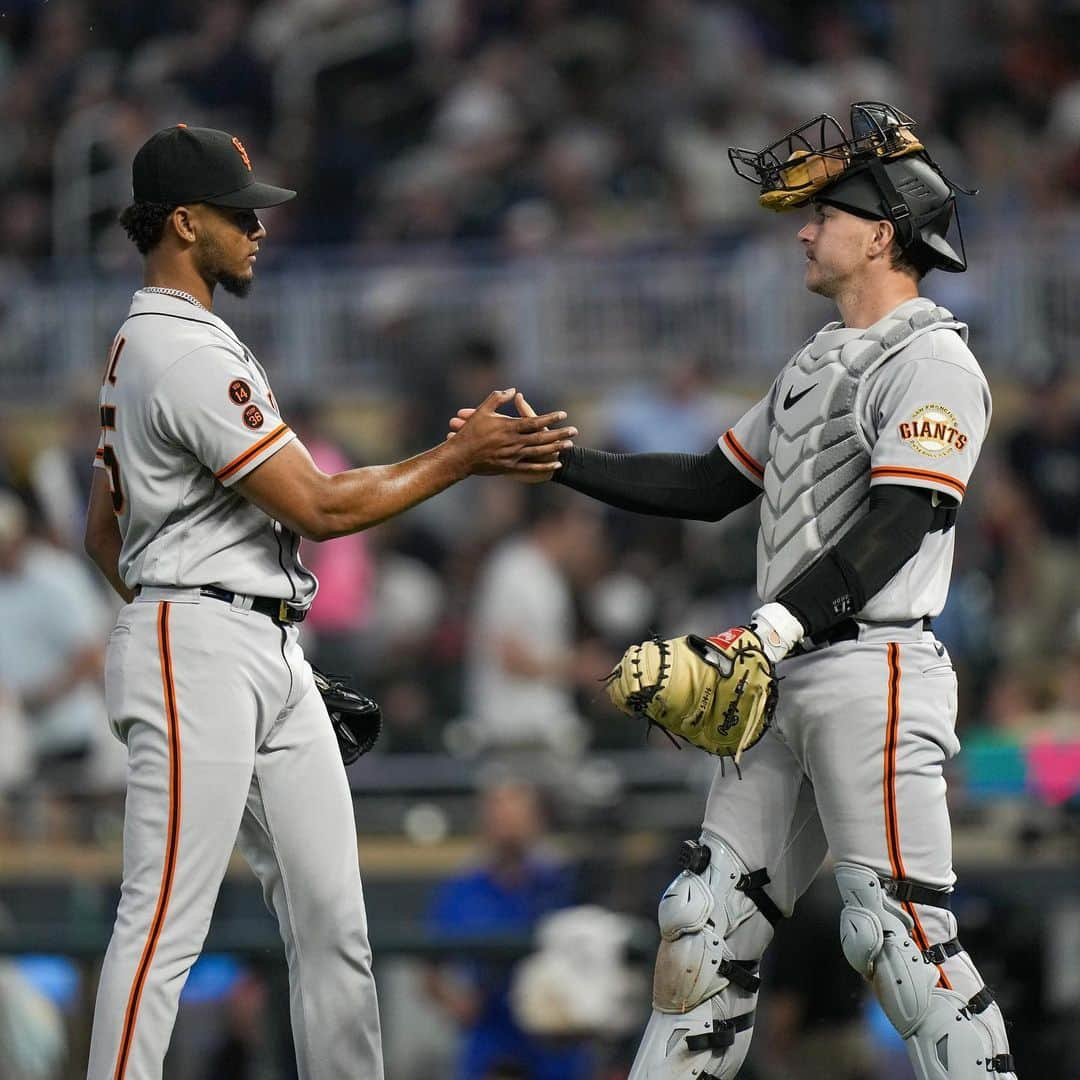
(938, 954)
(695, 857)
(1001, 1063)
(911, 892)
(753, 885)
(722, 1035)
(981, 1001)
(741, 973)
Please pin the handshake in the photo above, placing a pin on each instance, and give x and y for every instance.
(532, 447)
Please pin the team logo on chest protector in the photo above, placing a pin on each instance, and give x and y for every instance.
(932, 431)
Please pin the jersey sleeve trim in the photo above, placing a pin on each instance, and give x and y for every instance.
(252, 452)
(899, 472)
(739, 457)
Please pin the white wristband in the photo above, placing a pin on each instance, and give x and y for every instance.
(778, 629)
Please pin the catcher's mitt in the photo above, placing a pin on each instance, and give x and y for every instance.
(718, 693)
(357, 720)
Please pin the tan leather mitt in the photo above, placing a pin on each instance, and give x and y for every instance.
(718, 693)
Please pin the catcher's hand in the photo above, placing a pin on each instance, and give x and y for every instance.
(718, 693)
(357, 720)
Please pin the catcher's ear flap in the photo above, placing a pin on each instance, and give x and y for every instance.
(711, 654)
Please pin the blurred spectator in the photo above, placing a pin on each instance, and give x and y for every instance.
(52, 641)
(344, 567)
(524, 660)
(548, 996)
(711, 196)
(213, 66)
(681, 412)
(516, 882)
(60, 474)
(33, 1042)
(471, 369)
(243, 1052)
(17, 761)
(1044, 456)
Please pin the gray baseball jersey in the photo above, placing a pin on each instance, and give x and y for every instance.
(186, 412)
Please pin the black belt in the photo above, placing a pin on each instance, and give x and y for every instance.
(848, 630)
(281, 611)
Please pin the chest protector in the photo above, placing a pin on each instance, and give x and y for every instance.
(817, 480)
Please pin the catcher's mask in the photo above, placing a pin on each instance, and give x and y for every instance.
(881, 171)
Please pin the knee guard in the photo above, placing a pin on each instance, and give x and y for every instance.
(715, 922)
(946, 1039)
(701, 915)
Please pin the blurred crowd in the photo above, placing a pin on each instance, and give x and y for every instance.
(525, 125)
(485, 619)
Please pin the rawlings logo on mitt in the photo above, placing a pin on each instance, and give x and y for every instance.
(718, 693)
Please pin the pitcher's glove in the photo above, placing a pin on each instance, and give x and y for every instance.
(718, 693)
(357, 720)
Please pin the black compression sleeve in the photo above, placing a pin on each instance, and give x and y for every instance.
(702, 487)
(864, 558)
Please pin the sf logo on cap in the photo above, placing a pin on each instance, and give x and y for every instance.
(243, 153)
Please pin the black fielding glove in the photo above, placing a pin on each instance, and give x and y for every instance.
(356, 719)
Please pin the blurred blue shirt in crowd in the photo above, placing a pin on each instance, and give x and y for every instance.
(477, 903)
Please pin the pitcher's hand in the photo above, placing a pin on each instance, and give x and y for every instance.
(530, 473)
(525, 446)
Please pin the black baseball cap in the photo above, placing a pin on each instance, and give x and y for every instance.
(184, 164)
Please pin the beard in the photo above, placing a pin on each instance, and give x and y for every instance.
(235, 286)
(211, 261)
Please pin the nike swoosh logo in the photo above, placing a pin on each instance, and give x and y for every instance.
(790, 399)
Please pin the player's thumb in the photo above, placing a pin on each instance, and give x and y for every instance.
(523, 407)
(497, 398)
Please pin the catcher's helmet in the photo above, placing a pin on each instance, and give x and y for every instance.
(881, 171)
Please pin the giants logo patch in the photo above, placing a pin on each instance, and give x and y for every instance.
(253, 416)
(932, 432)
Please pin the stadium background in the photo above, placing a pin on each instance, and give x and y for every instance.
(533, 193)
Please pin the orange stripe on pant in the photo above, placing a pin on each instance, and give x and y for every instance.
(172, 842)
(892, 820)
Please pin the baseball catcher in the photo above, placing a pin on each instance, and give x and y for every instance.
(860, 453)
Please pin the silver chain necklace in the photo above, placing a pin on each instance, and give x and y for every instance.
(178, 293)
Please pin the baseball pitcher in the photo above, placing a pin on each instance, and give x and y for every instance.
(201, 495)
